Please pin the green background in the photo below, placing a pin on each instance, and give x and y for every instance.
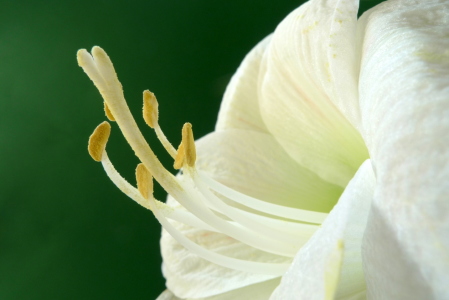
(65, 231)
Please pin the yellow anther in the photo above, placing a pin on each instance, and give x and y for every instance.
(180, 157)
(189, 144)
(108, 112)
(150, 109)
(98, 140)
(144, 181)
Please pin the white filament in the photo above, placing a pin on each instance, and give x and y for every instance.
(170, 212)
(276, 269)
(284, 239)
(164, 141)
(162, 211)
(262, 206)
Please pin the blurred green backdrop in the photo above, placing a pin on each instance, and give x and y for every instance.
(65, 231)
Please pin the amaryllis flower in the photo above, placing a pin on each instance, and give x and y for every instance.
(328, 173)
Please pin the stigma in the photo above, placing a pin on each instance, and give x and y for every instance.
(265, 226)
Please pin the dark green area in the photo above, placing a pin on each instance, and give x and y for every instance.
(65, 231)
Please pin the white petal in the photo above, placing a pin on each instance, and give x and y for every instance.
(404, 98)
(254, 164)
(346, 222)
(240, 108)
(308, 94)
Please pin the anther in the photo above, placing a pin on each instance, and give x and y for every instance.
(108, 112)
(144, 181)
(98, 140)
(189, 144)
(180, 157)
(150, 109)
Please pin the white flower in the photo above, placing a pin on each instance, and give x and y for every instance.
(328, 109)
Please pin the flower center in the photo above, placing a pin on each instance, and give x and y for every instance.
(268, 227)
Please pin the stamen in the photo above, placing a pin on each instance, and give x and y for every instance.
(151, 117)
(150, 109)
(111, 90)
(299, 230)
(284, 239)
(108, 112)
(164, 141)
(186, 150)
(262, 206)
(275, 269)
(180, 157)
(189, 144)
(144, 181)
(100, 70)
(98, 140)
(251, 238)
(168, 211)
(241, 234)
(183, 216)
